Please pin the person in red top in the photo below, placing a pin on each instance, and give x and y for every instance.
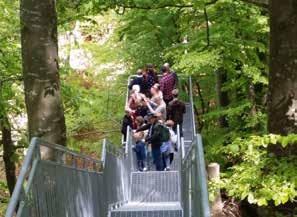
(167, 84)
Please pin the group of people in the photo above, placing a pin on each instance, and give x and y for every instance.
(153, 112)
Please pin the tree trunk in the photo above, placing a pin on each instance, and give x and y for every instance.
(282, 99)
(223, 99)
(40, 70)
(8, 152)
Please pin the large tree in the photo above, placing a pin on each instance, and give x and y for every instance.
(282, 103)
(40, 70)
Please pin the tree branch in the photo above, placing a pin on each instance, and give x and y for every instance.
(156, 7)
(11, 78)
(211, 2)
(260, 3)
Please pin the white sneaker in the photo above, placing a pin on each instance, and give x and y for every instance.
(144, 169)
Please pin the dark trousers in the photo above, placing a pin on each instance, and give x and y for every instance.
(171, 156)
(158, 160)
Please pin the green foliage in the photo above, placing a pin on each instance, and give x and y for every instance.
(258, 175)
(94, 98)
(149, 31)
(92, 113)
(9, 56)
(237, 43)
(147, 42)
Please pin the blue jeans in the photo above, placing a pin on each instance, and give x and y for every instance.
(158, 160)
(166, 159)
(140, 155)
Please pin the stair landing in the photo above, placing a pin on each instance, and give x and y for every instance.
(135, 209)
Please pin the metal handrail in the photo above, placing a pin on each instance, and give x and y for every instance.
(14, 200)
(28, 169)
(103, 155)
(67, 151)
(194, 161)
(193, 165)
(202, 174)
(192, 105)
(113, 149)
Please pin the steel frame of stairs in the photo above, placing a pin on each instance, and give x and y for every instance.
(71, 184)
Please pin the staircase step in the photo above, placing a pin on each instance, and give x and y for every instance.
(155, 186)
(135, 209)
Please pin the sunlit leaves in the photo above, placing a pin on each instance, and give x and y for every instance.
(258, 177)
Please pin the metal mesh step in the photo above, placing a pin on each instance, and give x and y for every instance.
(155, 186)
(134, 209)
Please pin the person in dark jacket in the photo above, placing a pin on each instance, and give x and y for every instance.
(151, 78)
(127, 122)
(154, 138)
(139, 80)
(175, 111)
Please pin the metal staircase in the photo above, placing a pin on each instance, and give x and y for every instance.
(152, 194)
(74, 185)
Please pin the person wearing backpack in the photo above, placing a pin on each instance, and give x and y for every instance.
(158, 133)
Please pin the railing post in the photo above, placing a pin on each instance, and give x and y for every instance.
(183, 148)
(127, 140)
(19, 185)
(178, 143)
(103, 155)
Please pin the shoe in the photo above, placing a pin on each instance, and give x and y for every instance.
(167, 169)
(144, 169)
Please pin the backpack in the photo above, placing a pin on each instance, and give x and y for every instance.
(164, 133)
